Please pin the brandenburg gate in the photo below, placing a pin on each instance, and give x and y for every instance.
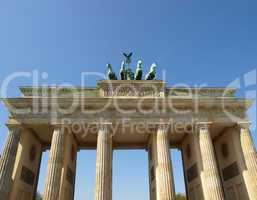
(208, 125)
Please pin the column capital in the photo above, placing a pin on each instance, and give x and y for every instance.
(12, 127)
(163, 127)
(163, 124)
(64, 129)
(104, 125)
(244, 124)
(56, 126)
(203, 125)
(105, 128)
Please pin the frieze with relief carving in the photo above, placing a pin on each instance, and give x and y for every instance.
(130, 91)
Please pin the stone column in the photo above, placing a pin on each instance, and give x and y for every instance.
(211, 181)
(69, 167)
(151, 168)
(7, 162)
(163, 167)
(27, 165)
(54, 171)
(250, 158)
(103, 189)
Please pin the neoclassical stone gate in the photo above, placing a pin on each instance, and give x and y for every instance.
(208, 125)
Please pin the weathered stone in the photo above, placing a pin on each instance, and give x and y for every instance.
(7, 162)
(55, 164)
(103, 189)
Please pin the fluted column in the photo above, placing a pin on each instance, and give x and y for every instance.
(250, 157)
(7, 162)
(103, 190)
(163, 167)
(54, 171)
(211, 181)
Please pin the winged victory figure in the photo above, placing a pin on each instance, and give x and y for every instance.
(129, 73)
(128, 57)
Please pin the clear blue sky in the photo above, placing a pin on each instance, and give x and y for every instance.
(195, 41)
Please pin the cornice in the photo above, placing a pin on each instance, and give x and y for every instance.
(130, 102)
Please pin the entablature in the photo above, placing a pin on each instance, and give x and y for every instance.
(127, 88)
